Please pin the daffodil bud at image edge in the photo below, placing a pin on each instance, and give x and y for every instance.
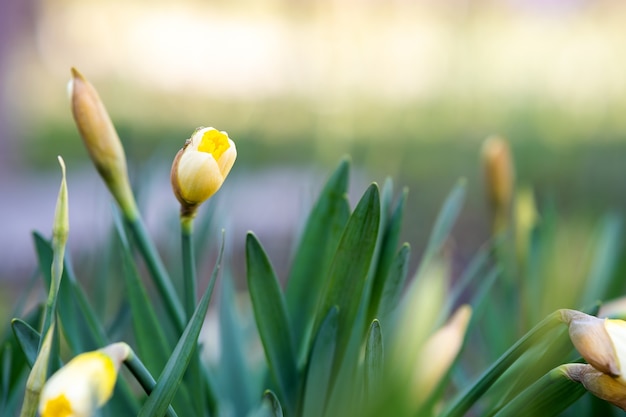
(601, 342)
(83, 384)
(200, 167)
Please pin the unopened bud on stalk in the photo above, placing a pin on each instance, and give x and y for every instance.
(61, 225)
(84, 384)
(499, 178)
(601, 342)
(526, 218)
(598, 383)
(101, 140)
(200, 168)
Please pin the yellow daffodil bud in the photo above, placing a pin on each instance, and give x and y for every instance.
(200, 167)
(598, 383)
(439, 352)
(499, 178)
(602, 342)
(101, 140)
(83, 384)
(526, 218)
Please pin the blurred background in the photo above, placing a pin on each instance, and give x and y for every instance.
(408, 88)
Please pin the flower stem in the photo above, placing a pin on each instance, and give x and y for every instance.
(157, 271)
(189, 268)
(144, 377)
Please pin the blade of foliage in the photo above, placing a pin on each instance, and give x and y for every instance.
(151, 342)
(271, 401)
(472, 272)
(386, 258)
(270, 313)
(446, 218)
(394, 284)
(314, 254)
(28, 339)
(169, 380)
(549, 396)
(76, 311)
(474, 391)
(320, 366)
(349, 269)
(374, 359)
(236, 384)
(606, 255)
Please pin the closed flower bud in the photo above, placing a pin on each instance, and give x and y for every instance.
(101, 140)
(601, 342)
(598, 383)
(200, 167)
(83, 384)
(499, 178)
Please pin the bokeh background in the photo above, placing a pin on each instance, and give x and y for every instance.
(408, 88)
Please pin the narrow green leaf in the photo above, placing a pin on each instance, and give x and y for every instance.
(548, 396)
(81, 326)
(606, 254)
(314, 254)
(320, 366)
(349, 269)
(28, 339)
(386, 256)
(270, 399)
(152, 345)
(270, 313)
(169, 380)
(236, 384)
(374, 359)
(394, 284)
(446, 219)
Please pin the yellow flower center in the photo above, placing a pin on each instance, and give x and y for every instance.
(58, 407)
(214, 142)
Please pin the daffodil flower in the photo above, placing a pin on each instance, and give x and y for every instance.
(83, 384)
(201, 166)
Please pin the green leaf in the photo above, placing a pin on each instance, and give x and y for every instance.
(388, 249)
(81, 326)
(446, 218)
(314, 254)
(28, 339)
(270, 314)
(320, 366)
(394, 284)
(606, 254)
(152, 345)
(236, 384)
(349, 270)
(549, 396)
(272, 403)
(374, 359)
(169, 380)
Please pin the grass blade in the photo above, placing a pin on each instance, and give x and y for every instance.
(270, 313)
(314, 254)
(349, 270)
(169, 380)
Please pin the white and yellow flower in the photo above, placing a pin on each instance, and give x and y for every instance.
(201, 166)
(83, 384)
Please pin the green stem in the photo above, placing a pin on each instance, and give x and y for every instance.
(157, 271)
(189, 269)
(460, 407)
(144, 377)
(55, 283)
(193, 376)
